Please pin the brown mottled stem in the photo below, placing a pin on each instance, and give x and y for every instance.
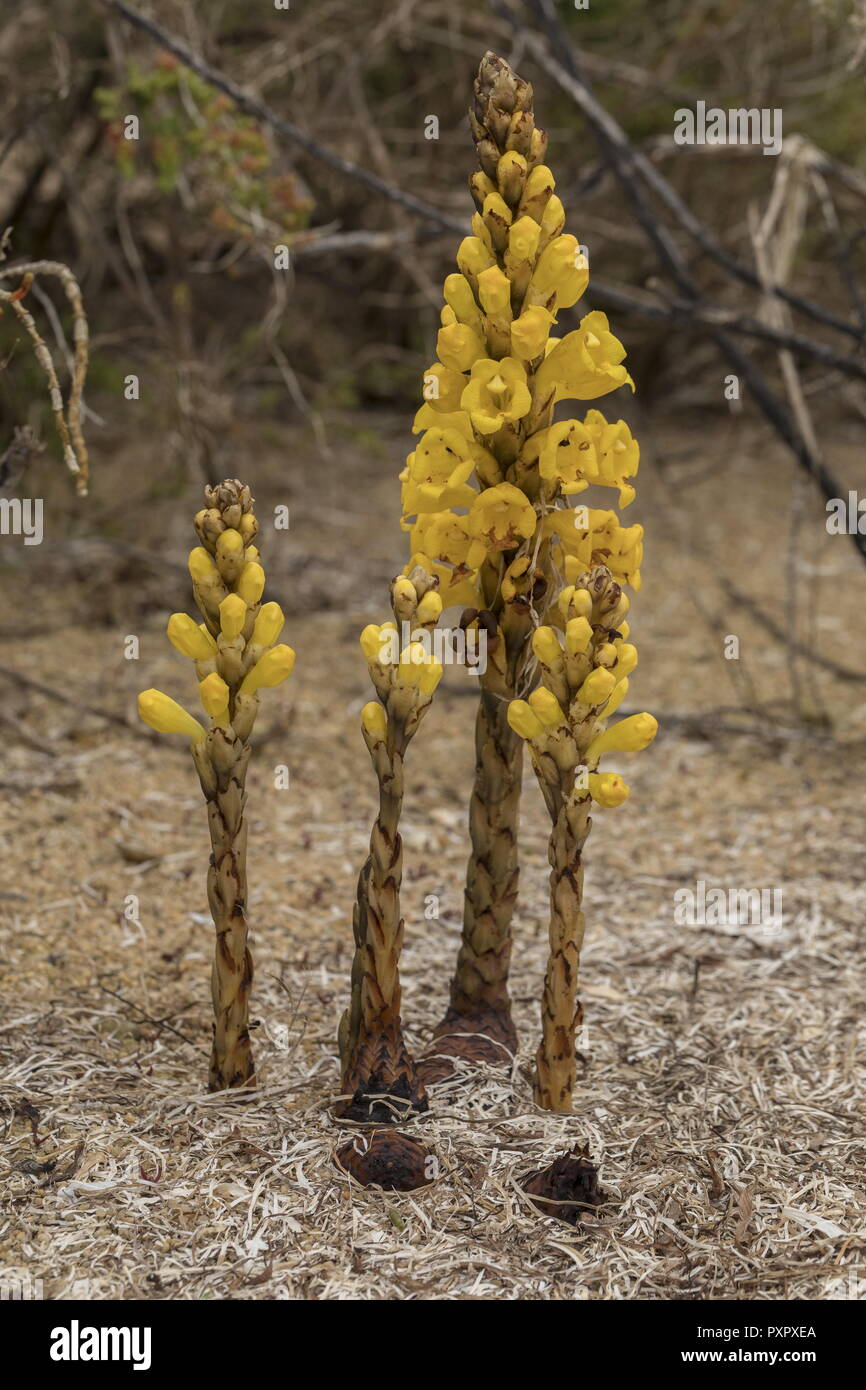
(379, 1077)
(480, 1002)
(221, 762)
(561, 1012)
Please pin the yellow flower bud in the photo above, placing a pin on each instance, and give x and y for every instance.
(461, 300)
(523, 720)
(251, 582)
(597, 687)
(268, 625)
(374, 720)
(229, 548)
(581, 603)
(607, 788)
(431, 675)
(522, 243)
(530, 332)
(167, 716)
(628, 736)
(578, 635)
(248, 527)
(458, 346)
(627, 660)
(404, 597)
(233, 615)
(214, 695)
(272, 668)
(545, 646)
(620, 691)
(201, 565)
(412, 660)
(190, 638)
(545, 705)
(607, 654)
(473, 256)
(430, 608)
(511, 176)
(494, 291)
(371, 642)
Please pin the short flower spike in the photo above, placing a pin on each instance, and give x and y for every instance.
(234, 657)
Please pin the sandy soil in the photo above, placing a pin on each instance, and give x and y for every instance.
(722, 1068)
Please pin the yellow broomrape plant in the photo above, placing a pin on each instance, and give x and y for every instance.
(379, 1080)
(488, 500)
(235, 656)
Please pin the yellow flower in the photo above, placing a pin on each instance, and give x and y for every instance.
(578, 635)
(214, 695)
(500, 518)
(473, 256)
(189, 638)
(233, 615)
(597, 687)
(426, 418)
(461, 301)
(494, 291)
(442, 536)
(430, 608)
(607, 788)
(523, 720)
(418, 668)
(628, 736)
(546, 647)
(563, 270)
(458, 346)
(201, 566)
(537, 192)
(544, 703)
(566, 455)
(626, 660)
(585, 364)
(436, 474)
(268, 625)
(442, 388)
(230, 553)
(619, 693)
(530, 332)
(522, 245)
(167, 716)
(617, 454)
(251, 582)
(374, 720)
(271, 669)
(515, 579)
(575, 603)
(497, 393)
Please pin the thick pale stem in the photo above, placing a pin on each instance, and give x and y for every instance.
(561, 1013)
(378, 1071)
(480, 982)
(221, 760)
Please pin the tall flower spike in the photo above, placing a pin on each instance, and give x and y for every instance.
(564, 724)
(487, 498)
(379, 1080)
(234, 657)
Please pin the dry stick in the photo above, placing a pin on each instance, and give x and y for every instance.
(75, 453)
(626, 164)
